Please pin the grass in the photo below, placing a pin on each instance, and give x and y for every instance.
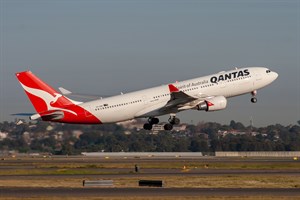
(180, 164)
(58, 171)
(155, 164)
(86, 166)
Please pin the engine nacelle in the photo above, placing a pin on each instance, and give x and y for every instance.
(213, 104)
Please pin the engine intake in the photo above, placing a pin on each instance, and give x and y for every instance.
(213, 104)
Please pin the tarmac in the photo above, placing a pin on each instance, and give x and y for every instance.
(120, 173)
(39, 192)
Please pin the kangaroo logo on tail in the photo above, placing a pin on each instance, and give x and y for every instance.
(47, 98)
(40, 90)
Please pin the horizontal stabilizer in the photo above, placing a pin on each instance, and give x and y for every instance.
(85, 96)
(64, 91)
(52, 115)
(23, 114)
(48, 115)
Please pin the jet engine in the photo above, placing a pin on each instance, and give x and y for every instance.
(212, 104)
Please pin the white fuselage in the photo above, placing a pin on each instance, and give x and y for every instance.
(147, 103)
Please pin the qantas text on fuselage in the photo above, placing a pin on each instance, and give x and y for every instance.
(208, 93)
(229, 76)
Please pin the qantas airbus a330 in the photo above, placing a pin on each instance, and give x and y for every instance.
(208, 93)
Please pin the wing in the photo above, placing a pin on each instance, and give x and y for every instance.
(178, 97)
(181, 101)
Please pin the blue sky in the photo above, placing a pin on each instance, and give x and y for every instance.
(107, 47)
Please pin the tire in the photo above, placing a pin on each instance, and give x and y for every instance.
(176, 121)
(147, 126)
(154, 120)
(168, 127)
(253, 100)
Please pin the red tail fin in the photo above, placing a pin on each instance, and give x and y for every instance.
(42, 96)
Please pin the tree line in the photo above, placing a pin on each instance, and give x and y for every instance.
(203, 137)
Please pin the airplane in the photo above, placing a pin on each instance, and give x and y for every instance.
(207, 93)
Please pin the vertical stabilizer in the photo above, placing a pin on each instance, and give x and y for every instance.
(42, 96)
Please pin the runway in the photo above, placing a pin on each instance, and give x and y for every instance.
(183, 177)
(39, 192)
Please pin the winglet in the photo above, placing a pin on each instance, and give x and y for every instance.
(209, 103)
(172, 88)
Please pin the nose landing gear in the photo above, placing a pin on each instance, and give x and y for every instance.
(254, 99)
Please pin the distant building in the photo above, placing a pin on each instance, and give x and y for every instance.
(132, 124)
(236, 132)
(77, 133)
(26, 137)
(3, 135)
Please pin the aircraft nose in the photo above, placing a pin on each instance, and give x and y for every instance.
(275, 75)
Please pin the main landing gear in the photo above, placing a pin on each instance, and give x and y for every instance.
(151, 121)
(173, 120)
(254, 99)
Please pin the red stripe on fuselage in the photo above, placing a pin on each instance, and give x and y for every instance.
(83, 116)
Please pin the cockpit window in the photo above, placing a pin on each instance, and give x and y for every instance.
(268, 71)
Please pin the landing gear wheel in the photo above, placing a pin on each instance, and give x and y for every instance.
(168, 127)
(174, 121)
(147, 126)
(153, 120)
(253, 100)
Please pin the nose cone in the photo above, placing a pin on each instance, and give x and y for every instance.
(275, 75)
